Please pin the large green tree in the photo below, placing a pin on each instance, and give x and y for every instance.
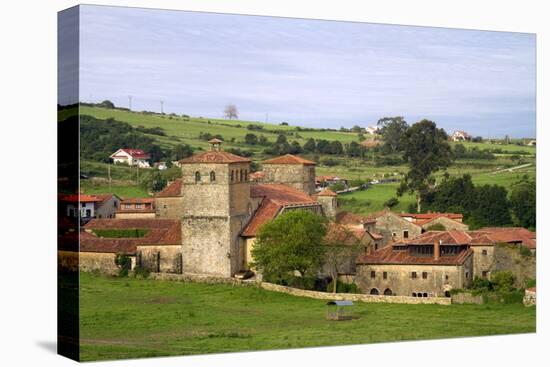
(426, 150)
(523, 201)
(492, 207)
(291, 242)
(392, 130)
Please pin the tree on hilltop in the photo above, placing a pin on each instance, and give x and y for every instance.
(231, 112)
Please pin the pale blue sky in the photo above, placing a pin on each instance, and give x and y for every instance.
(308, 72)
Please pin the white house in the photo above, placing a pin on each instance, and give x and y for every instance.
(90, 206)
(372, 130)
(131, 157)
(460, 136)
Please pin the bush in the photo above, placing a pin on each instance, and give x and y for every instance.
(503, 281)
(342, 287)
(141, 272)
(124, 264)
(329, 162)
(391, 202)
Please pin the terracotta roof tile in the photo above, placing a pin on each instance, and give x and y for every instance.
(430, 216)
(388, 255)
(352, 218)
(159, 232)
(289, 159)
(214, 156)
(257, 176)
(275, 198)
(134, 153)
(172, 190)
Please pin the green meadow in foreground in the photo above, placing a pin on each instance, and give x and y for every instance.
(133, 318)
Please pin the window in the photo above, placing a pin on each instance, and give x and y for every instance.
(414, 294)
(197, 176)
(393, 234)
(447, 294)
(127, 206)
(241, 175)
(212, 176)
(246, 175)
(424, 275)
(232, 175)
(388, 292)
(165, 206)
(385, 275)
(424, 294)
(373, 274)
(413, 275)
(405, 234)
(138, 206)
(484, 252)
(374, 291)
(484, 274)
(446, 277)
(467, 275)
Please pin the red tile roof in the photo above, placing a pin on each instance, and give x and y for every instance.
(83, 198)
(327, 192)
(289, 159)
(452, 237)
(388, 255)
(422, 222)
(214, 156)
(134, 153)
(159, 232)
(338, 234)
(138, 201)
(352, 218)
(172, 190)
(508, 235)
(275, 198)
(257, 176)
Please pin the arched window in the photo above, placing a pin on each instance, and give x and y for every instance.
(212, 176)
(388, 292)
(425, 295)
(197, 176)
(447, 294)
(414, 294)
(374, 291)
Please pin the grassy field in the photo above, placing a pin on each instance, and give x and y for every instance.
(133, 318)
(373, 199)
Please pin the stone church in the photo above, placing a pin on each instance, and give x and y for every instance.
(221, 209)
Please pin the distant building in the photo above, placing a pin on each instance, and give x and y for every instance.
(136, 208)
(532, 143)
(86, 207)
(131, 157)
(169, 202)
(372, 130)
(326, 181)
(461, 136)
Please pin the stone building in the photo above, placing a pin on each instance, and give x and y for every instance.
(429, 266)
(290, 170)
(169, 202)
(136, 208)
(216, 207)
(327, 199)
(393, 227)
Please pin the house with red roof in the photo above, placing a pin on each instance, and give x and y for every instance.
(131, 157)
(86, 206)
(136, 208)
(430, 265)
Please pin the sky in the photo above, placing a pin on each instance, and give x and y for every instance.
(308, 72)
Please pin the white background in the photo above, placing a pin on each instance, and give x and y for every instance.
(28, 181)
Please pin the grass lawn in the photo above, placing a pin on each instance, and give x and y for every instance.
(122, 191)
(373, 199)
(132, 318)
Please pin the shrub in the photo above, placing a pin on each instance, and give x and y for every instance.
(503, 281)
(342, 287)
(141, 272)
(124, 264)
(391, 202)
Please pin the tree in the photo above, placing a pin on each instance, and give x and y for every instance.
(231, 112)
(336, 147)
(390, 203)
(181, 151)
(107, 104)
(492, 207)
(426, 150)
(251, 139)
(523, 201)
(291, 242)
(309, 146)
(392, 130)
(453, 194)
(295, 148)
(341, 250)
(356, 129)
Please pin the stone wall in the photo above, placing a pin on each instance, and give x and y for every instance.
(530, 298)
(508, 258)
(169, 208)
(392, 227)
(354, 296)
(329, 204)
(440, 278)
(483, 260)
(89, 261)
(448, 223)
(108, 208)
(166, 259)
(299, 176)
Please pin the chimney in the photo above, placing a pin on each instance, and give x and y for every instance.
(437, 249)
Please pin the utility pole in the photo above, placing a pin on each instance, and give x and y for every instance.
(161, 106)
(130, 103)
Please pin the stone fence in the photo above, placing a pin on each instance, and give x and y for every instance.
(355, 296)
